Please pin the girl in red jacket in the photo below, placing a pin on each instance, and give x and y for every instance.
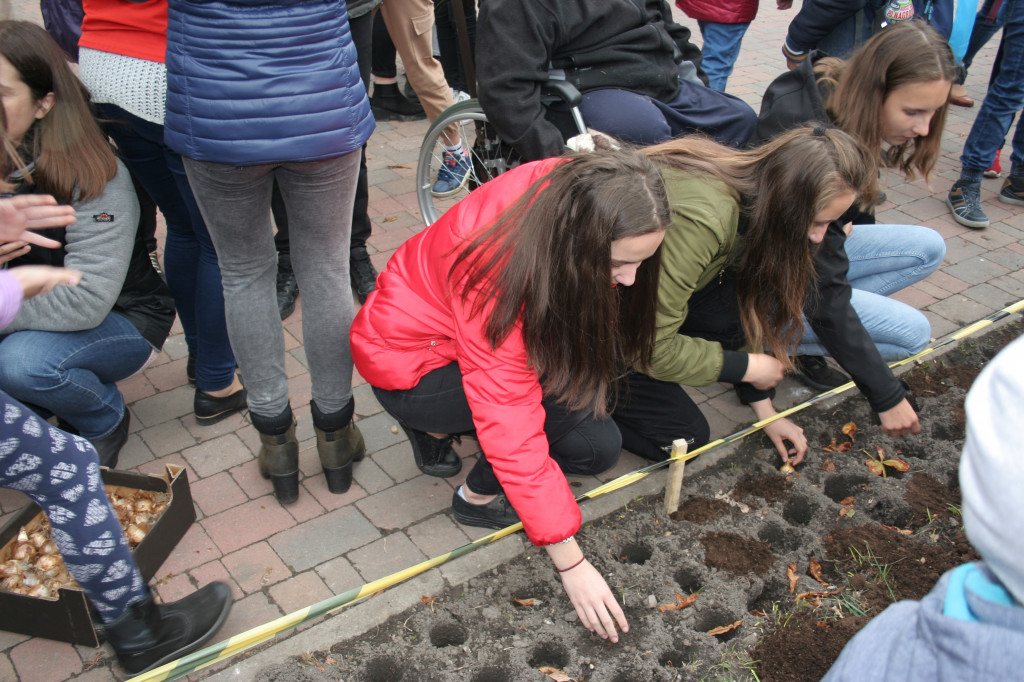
(509, 317)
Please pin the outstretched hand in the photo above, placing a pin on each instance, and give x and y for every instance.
(784, 431)
(24, 212)
(594, 602)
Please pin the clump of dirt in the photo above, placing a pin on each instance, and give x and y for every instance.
(701, 510)
(875, 539)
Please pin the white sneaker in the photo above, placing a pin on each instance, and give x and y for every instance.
(459, 95)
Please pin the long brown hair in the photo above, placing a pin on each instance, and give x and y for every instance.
(72, 157)
(545, 264)
(906, 52)
(784, 184)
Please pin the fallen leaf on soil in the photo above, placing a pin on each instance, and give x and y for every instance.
(428, 600)
(815, 595)
(831, 447)
(721, 630)
(760, 614)
(850, 429)
(815, 572)
(792, 575)
(827, 465)
(876, 467)
(847, 501)
(845, 447)
(681, 603)
(528, 602)
(555, 674)
(901, 531)
(898, 464)
(329, 661)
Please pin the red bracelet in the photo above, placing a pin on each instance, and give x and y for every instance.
(563, 570)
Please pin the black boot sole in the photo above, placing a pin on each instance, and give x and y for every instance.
(339, 479)
(380, 114)
(286, 487)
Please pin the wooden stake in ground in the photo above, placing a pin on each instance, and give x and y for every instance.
(674, 486)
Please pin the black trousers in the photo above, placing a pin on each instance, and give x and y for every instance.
(579, 442)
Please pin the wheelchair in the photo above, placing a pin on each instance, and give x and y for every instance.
(489, 155)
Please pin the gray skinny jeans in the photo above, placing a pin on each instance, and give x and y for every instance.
(318, 196)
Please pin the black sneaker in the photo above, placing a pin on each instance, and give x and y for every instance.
(816, 373)
(496, 514)
(964, 200)
(1013, 190)
(388, 104)
(361, 272)
(287, 292)
(434, 456)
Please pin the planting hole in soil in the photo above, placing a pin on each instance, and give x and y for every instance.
(735, 562)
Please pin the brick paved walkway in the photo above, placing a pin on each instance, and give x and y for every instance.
(277, 559)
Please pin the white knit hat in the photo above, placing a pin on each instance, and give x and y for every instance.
(992, 467)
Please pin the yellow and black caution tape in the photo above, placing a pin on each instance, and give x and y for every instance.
(246, 640)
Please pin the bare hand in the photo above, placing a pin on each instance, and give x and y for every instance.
(594, 602)
(783, 4)
(11, 250)
(32, 212)
(784, 430)
(900, 420)
(763, 371)
(40, 279)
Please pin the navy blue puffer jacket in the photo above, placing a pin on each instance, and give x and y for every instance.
(252, 82)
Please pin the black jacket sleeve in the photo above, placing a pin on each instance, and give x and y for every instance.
(831, 315)
(817, 18)
(513, 50)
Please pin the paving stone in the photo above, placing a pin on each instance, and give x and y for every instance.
(164, 406)
(217, 493)
(254, 610)
(316, 486)
(194, 549)
(377, 432)
(386, 556)
(406, 503)
(990, 296)
(215, 572)
(479, 561)
(168, 375)
(299, 592)
(173, 587)
(307, 507)
(397, 461)
(254, 567)
(237, 423)
(326, 537)
(437, 535)
(163, 439)
(248, 478)
(219, 454)
(976, 270)
(339, 575)
(7, 668)
(961, 310)
(10, 639)
(247, 523)
(40, 660)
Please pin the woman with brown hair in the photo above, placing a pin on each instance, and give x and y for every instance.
(740, 269)
(511, 317)
(66, 350)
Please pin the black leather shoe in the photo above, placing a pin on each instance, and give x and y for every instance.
(210, 409)
(190, 369)
(816, 373)
(496, 514)
(362, 272)
(389, 104)
(434, 456)
(287, 292)
(149, 635)
(109, 448)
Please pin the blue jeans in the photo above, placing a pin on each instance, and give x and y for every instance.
(639, 119)
(721, 48)
(1004, 99)
(190, 261)
(73, 374)
(318, 196)
(885, 259)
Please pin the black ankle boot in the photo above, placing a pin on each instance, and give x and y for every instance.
(362, 272)
(149, 635)
(388, 104)
(109, 447)
(279, 461)
(287, 292)
(434, 456)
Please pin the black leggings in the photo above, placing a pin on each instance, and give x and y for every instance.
(579, 442)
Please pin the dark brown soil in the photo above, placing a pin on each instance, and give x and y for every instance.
(740, 528)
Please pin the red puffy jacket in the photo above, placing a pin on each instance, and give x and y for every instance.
(416, 322)
(720, 11)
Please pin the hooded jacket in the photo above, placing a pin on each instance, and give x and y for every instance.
(251, 82)
(416, 322)
(793, 99)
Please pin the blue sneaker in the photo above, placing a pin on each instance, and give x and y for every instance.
(453, 175)
(1013, 190)
(964, 200)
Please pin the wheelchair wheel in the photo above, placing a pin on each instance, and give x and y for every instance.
(489, 157)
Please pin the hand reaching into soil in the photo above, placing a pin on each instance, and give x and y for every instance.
(594, 602)
(782, 431)
(900, 420)
(587, 590)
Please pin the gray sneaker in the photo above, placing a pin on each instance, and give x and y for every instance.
(964, 200)
(1013, 190)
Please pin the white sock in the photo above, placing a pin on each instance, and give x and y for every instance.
(456, 150)
(461, 493)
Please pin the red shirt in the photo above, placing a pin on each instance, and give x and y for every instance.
(132, 29)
